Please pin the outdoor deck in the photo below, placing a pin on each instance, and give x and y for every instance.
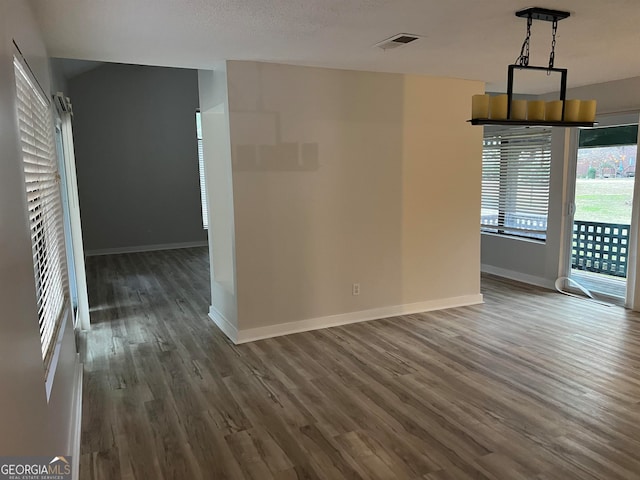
(601, 284)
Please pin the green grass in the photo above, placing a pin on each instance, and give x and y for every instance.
(604, 200)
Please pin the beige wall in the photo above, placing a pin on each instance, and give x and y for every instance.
(29, 424)
(441, 171)
(343, 177)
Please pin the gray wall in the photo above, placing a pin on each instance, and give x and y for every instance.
(526, 260)
(136, 156)
(613, 97)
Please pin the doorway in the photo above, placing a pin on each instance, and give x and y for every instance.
(603, 197)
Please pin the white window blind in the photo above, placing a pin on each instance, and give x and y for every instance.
(516, 167)
(203, 191)
(44, 208)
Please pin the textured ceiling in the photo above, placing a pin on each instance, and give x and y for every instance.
(473, 39)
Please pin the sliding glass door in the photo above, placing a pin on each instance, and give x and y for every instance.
(604, 171)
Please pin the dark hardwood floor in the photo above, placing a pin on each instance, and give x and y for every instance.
(530, 385)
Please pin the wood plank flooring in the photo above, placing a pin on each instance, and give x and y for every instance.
(530, 385)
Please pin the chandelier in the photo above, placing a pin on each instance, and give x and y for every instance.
(503, 109)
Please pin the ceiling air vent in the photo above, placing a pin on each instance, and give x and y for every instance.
(396, 41)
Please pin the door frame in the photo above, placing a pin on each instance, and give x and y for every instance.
(607, 120)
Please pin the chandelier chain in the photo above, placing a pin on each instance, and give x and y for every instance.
(523, 59)
(554, 30)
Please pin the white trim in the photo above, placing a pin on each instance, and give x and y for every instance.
(82, 322)
(570, 158)
(518, 276)
(632, 253)
(252, 334)
(146, 248)
(76, 420)
(629, 117)
(83, 317)
(223, 324)
(53, 366)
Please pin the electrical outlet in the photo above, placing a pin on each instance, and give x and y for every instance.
(355, 289)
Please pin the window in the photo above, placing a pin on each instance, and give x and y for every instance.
(203, 190)
(516, 166)
(44, 209)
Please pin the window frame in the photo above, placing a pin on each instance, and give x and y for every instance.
(34, 118)
(509, 175)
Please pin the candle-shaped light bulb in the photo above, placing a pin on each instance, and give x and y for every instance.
(535, 110)
(572, 111)
(553, 111)
(588, 111)
(518, 110)
(498, 107)
(480, 106)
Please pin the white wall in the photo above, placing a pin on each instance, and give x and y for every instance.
(343, 177)
(29, 424)
(214, 110)
(541, 263)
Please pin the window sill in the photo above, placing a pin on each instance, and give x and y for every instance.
(535, 241)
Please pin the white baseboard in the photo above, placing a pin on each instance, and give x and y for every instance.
(518, 276)
(223, 324)
(76, 417)
(146, 248)
(252, 334)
